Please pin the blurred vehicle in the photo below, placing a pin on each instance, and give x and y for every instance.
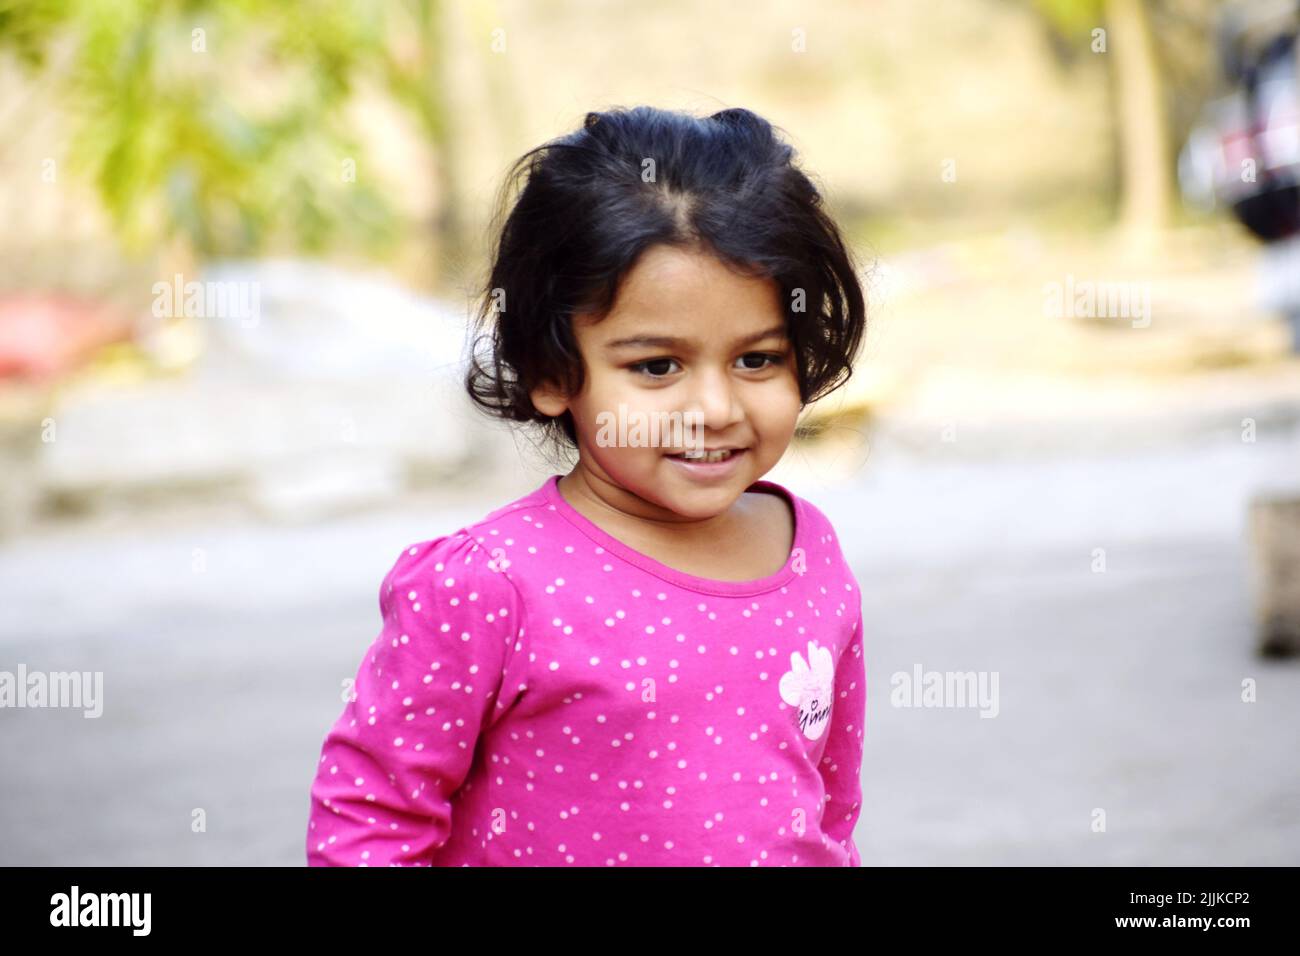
(1246, 153)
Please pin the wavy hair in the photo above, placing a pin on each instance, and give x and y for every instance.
(585, 212)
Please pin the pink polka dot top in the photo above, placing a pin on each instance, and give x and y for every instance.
(541, 694)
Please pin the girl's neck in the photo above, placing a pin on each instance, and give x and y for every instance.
(614, 509)
(735, 545)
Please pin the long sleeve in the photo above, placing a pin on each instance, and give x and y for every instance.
(841, 761)
(446, 663)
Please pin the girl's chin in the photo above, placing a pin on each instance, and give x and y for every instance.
(702, 490)
(690, 489)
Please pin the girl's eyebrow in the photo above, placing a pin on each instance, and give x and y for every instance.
(670, 342)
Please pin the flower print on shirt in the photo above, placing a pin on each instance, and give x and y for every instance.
(809, 686)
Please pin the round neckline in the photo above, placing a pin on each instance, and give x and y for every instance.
(691, 582)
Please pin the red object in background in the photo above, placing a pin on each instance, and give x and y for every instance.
(43, 337)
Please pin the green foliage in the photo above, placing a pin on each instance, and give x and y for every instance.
(1070, 18)
(218, 123)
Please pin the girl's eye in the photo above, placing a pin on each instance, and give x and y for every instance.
(755, 361)
(655, 368)
(663, 367)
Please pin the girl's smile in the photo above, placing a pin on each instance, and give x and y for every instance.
(709, 465)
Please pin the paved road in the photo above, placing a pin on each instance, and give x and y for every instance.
(1117, 690)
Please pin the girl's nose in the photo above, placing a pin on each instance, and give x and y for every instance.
(715, 400)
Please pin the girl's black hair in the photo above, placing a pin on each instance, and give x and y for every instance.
(593, 200)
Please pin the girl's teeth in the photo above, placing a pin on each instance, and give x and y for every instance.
(707, 456)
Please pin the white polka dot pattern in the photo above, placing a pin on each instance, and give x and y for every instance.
(541, 694)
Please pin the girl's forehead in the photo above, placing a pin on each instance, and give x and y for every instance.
(678, 293)
(671, 272)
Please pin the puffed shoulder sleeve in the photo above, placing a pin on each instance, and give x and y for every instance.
(448, 661)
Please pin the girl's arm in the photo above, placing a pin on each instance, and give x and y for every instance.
(841, 763)
(432, 681)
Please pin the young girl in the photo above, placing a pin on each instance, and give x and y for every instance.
(655, 659)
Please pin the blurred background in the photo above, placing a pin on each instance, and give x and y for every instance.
(238, 249)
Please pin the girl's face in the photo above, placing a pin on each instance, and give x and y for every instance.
(691, 355)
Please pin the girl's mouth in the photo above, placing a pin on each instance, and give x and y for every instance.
(709, 463)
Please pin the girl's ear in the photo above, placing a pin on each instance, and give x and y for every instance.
(549, 399)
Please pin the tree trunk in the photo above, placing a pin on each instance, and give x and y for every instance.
(1145, 178)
